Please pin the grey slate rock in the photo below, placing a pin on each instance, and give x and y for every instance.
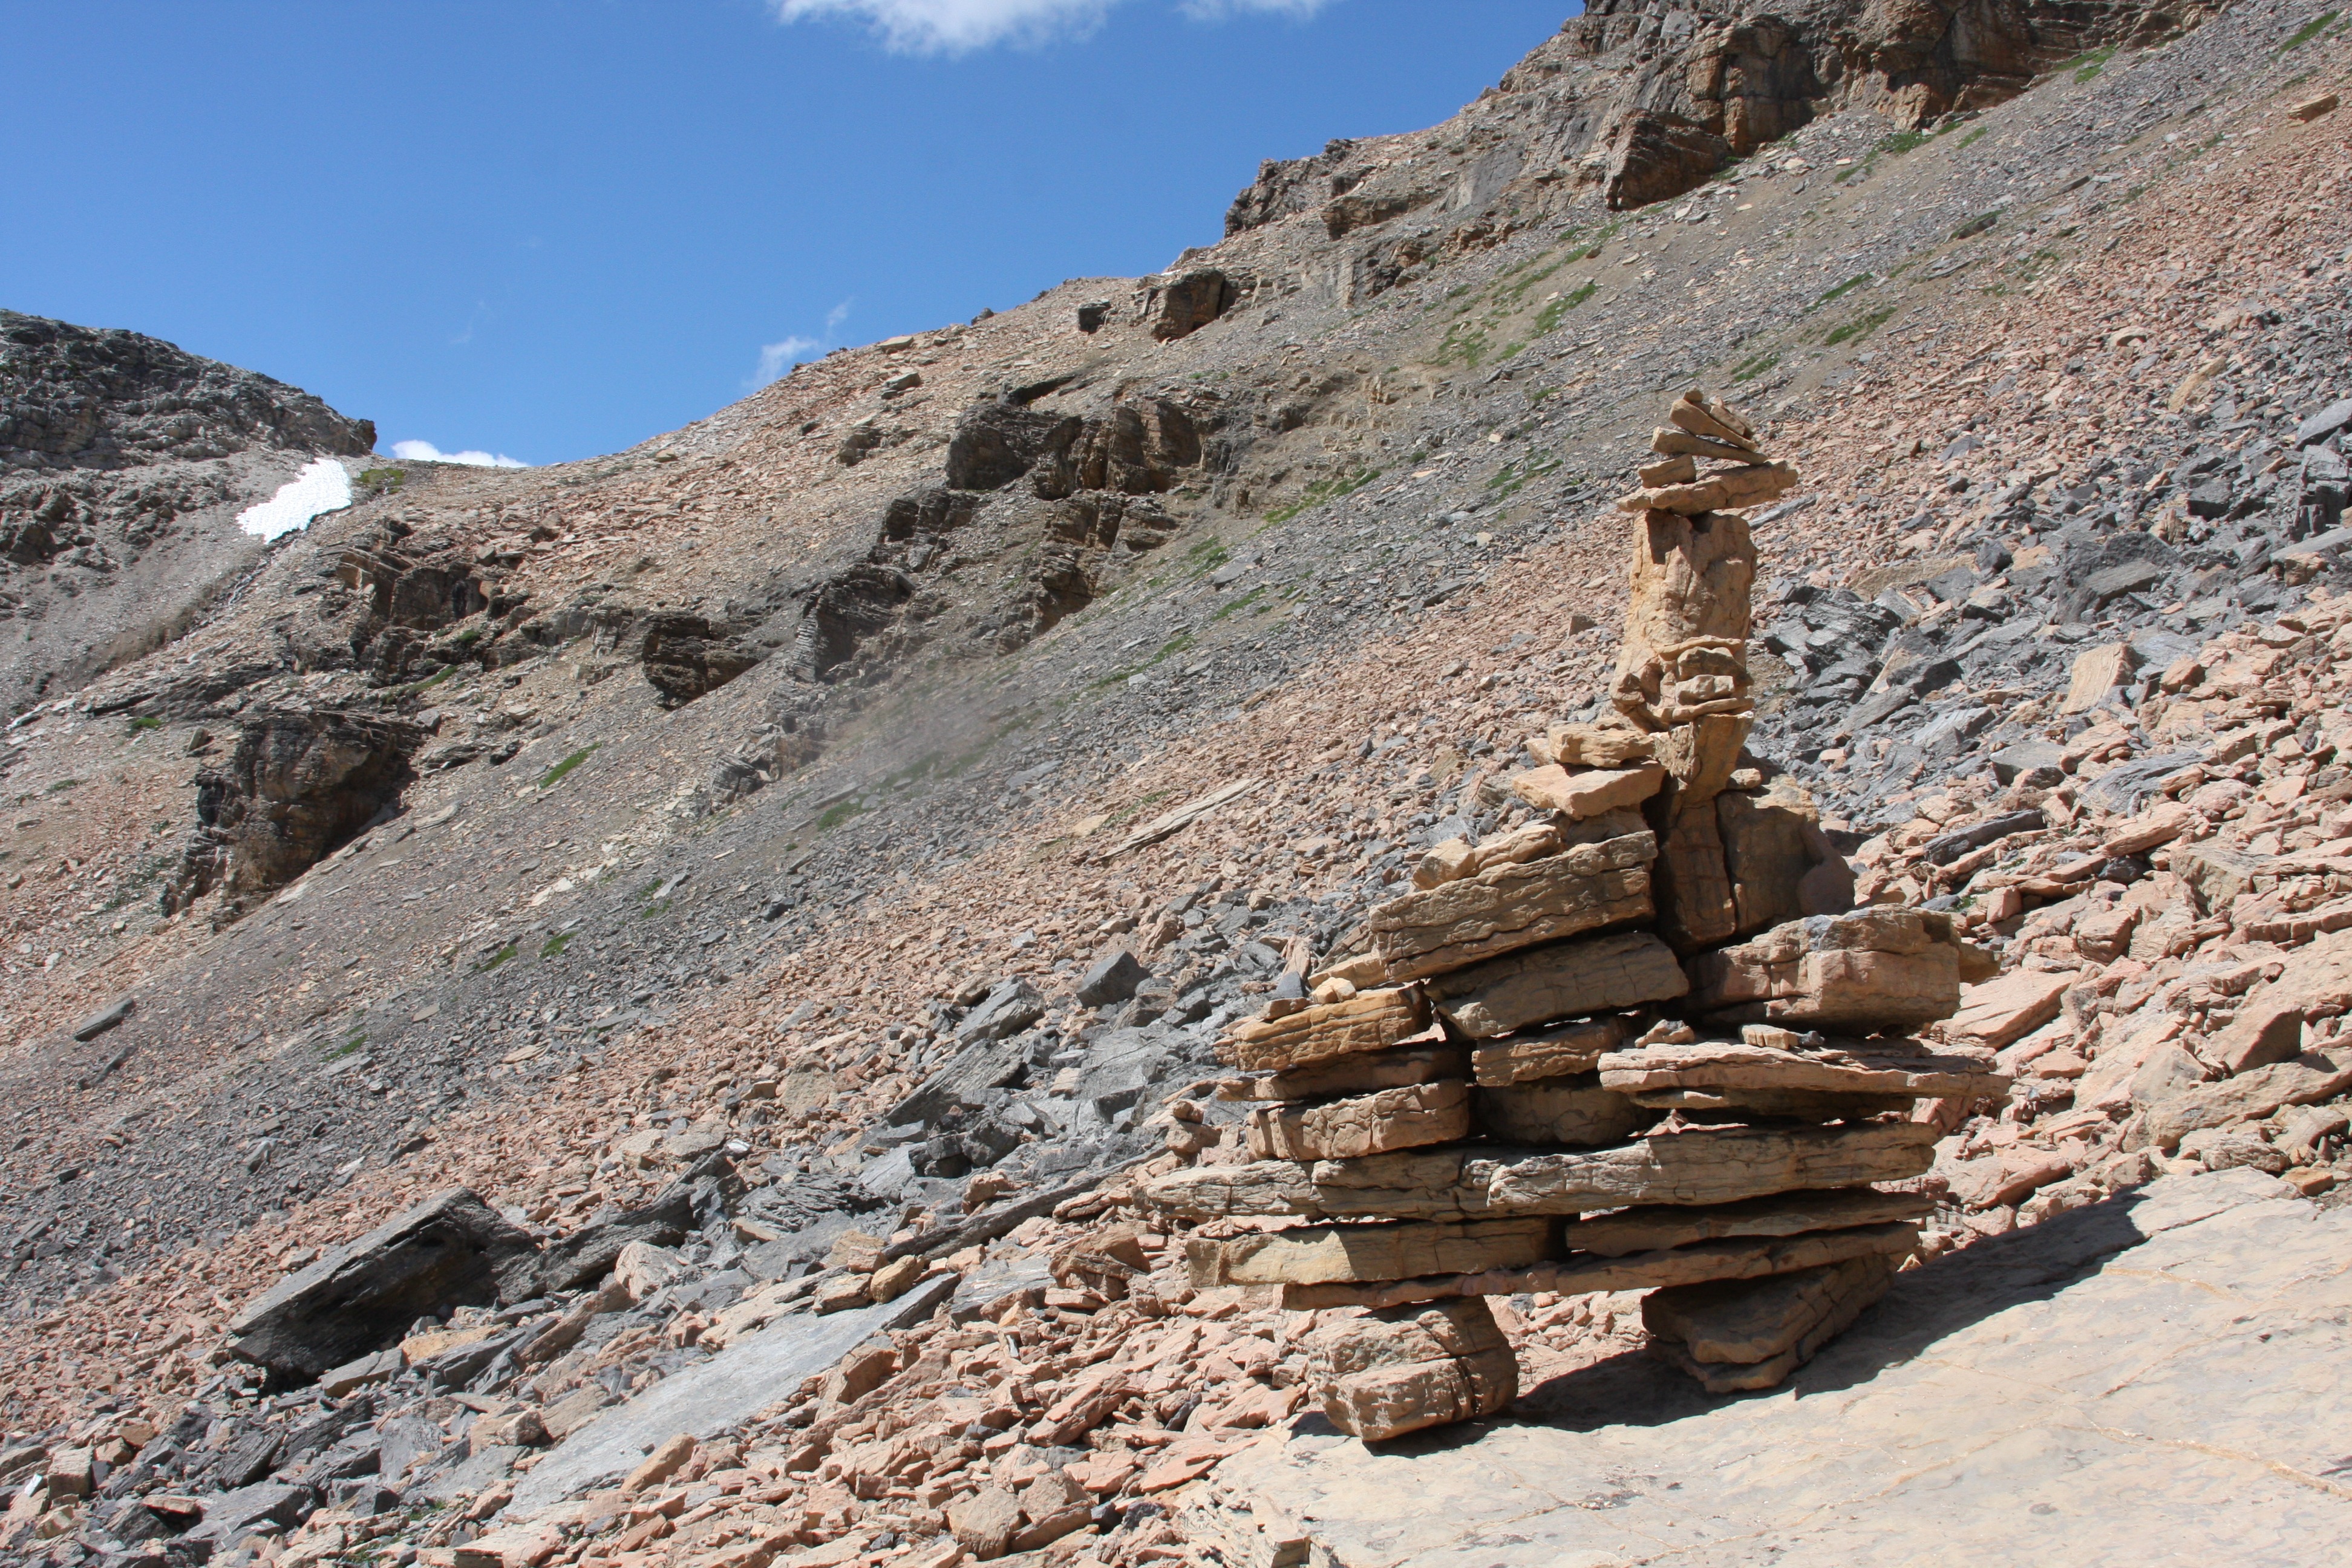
(98, 1023)
(716, 1394)
(2210, 500)
(1011, 1007)
(1947, 847)
(1113, 978)
(588, 1254)
(2337, 415)
(451, 1250)
(2036, 762)
(229, 1516)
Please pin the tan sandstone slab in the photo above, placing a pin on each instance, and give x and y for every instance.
(1560, 1052)
(2004, 1011)
(1875, 969)
(1735, 1337)
(1595, 746)
(1746, 1259)
(1566, 980)
(1743, 487)
(1506, 907)
(1782, 1214)
(1735, 1065)
(1702, 1165)
(1387, 1374)
(1320, 1255)
(1361, 1073)
(1407, 1118)
(1370, 1021)
(1588, 792)
(1712, 1165)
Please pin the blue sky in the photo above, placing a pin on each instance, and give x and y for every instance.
(551, 228)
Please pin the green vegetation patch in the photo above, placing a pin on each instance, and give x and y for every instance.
(62, 785)
(554, 775)
(1314, 495)
(1755, 367)
(382, 481)
(495, 959)
(2087, 64)
(1828, 296)
(2309, 31)
(139, 724)
(1513, 476)
(833, 817)
(1548, 318)
(1861, 327)
(1241, 603)
(553, 946)
(1978, 134)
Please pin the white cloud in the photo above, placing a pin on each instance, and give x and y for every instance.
(323, 486)
(426, 452)
(775, 359)
(954, 27)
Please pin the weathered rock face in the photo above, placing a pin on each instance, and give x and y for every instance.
(1874, 969)
(81, 397)
(1753, 1335)
(451, 1250)
(685, 657)
(1188, 302)
(301, 783)
(1135, 447)
(1390, 1373)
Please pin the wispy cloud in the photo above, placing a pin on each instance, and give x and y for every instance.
(776, 359)
(426, 452)
(957, 26)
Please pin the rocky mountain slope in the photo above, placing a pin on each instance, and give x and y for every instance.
(729, 845)
(123, 464)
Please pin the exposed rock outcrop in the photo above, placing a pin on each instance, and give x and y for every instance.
(299, 784)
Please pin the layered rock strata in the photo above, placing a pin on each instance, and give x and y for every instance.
(1640, 1039)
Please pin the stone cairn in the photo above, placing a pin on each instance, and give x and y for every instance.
(1640, 1041)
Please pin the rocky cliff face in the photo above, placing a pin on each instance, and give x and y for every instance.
(123, 463)
(1646, 100)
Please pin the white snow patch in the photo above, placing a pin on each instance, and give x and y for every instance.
(323, 487)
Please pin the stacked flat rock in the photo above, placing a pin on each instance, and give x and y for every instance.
(1639, 1041)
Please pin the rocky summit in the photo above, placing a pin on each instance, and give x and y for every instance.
(1636, 819)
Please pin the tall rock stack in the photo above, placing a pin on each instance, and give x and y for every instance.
(1642, 1039)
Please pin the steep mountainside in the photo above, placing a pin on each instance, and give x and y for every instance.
(123, 464)
(731, 843)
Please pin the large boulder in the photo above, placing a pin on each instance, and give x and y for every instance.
(301, 783)
(1389, 1373)
(452, 1250)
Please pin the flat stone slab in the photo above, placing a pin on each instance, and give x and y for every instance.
(1699, 1263)
(1319, 1255)
(2158, 1378)
(1569, 980)
(1733, 1065)
(715, 1396)
(1509, 907)
(1377, 1124)
(1371, 1021)
(1702, 1165)
(1360, 1074)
